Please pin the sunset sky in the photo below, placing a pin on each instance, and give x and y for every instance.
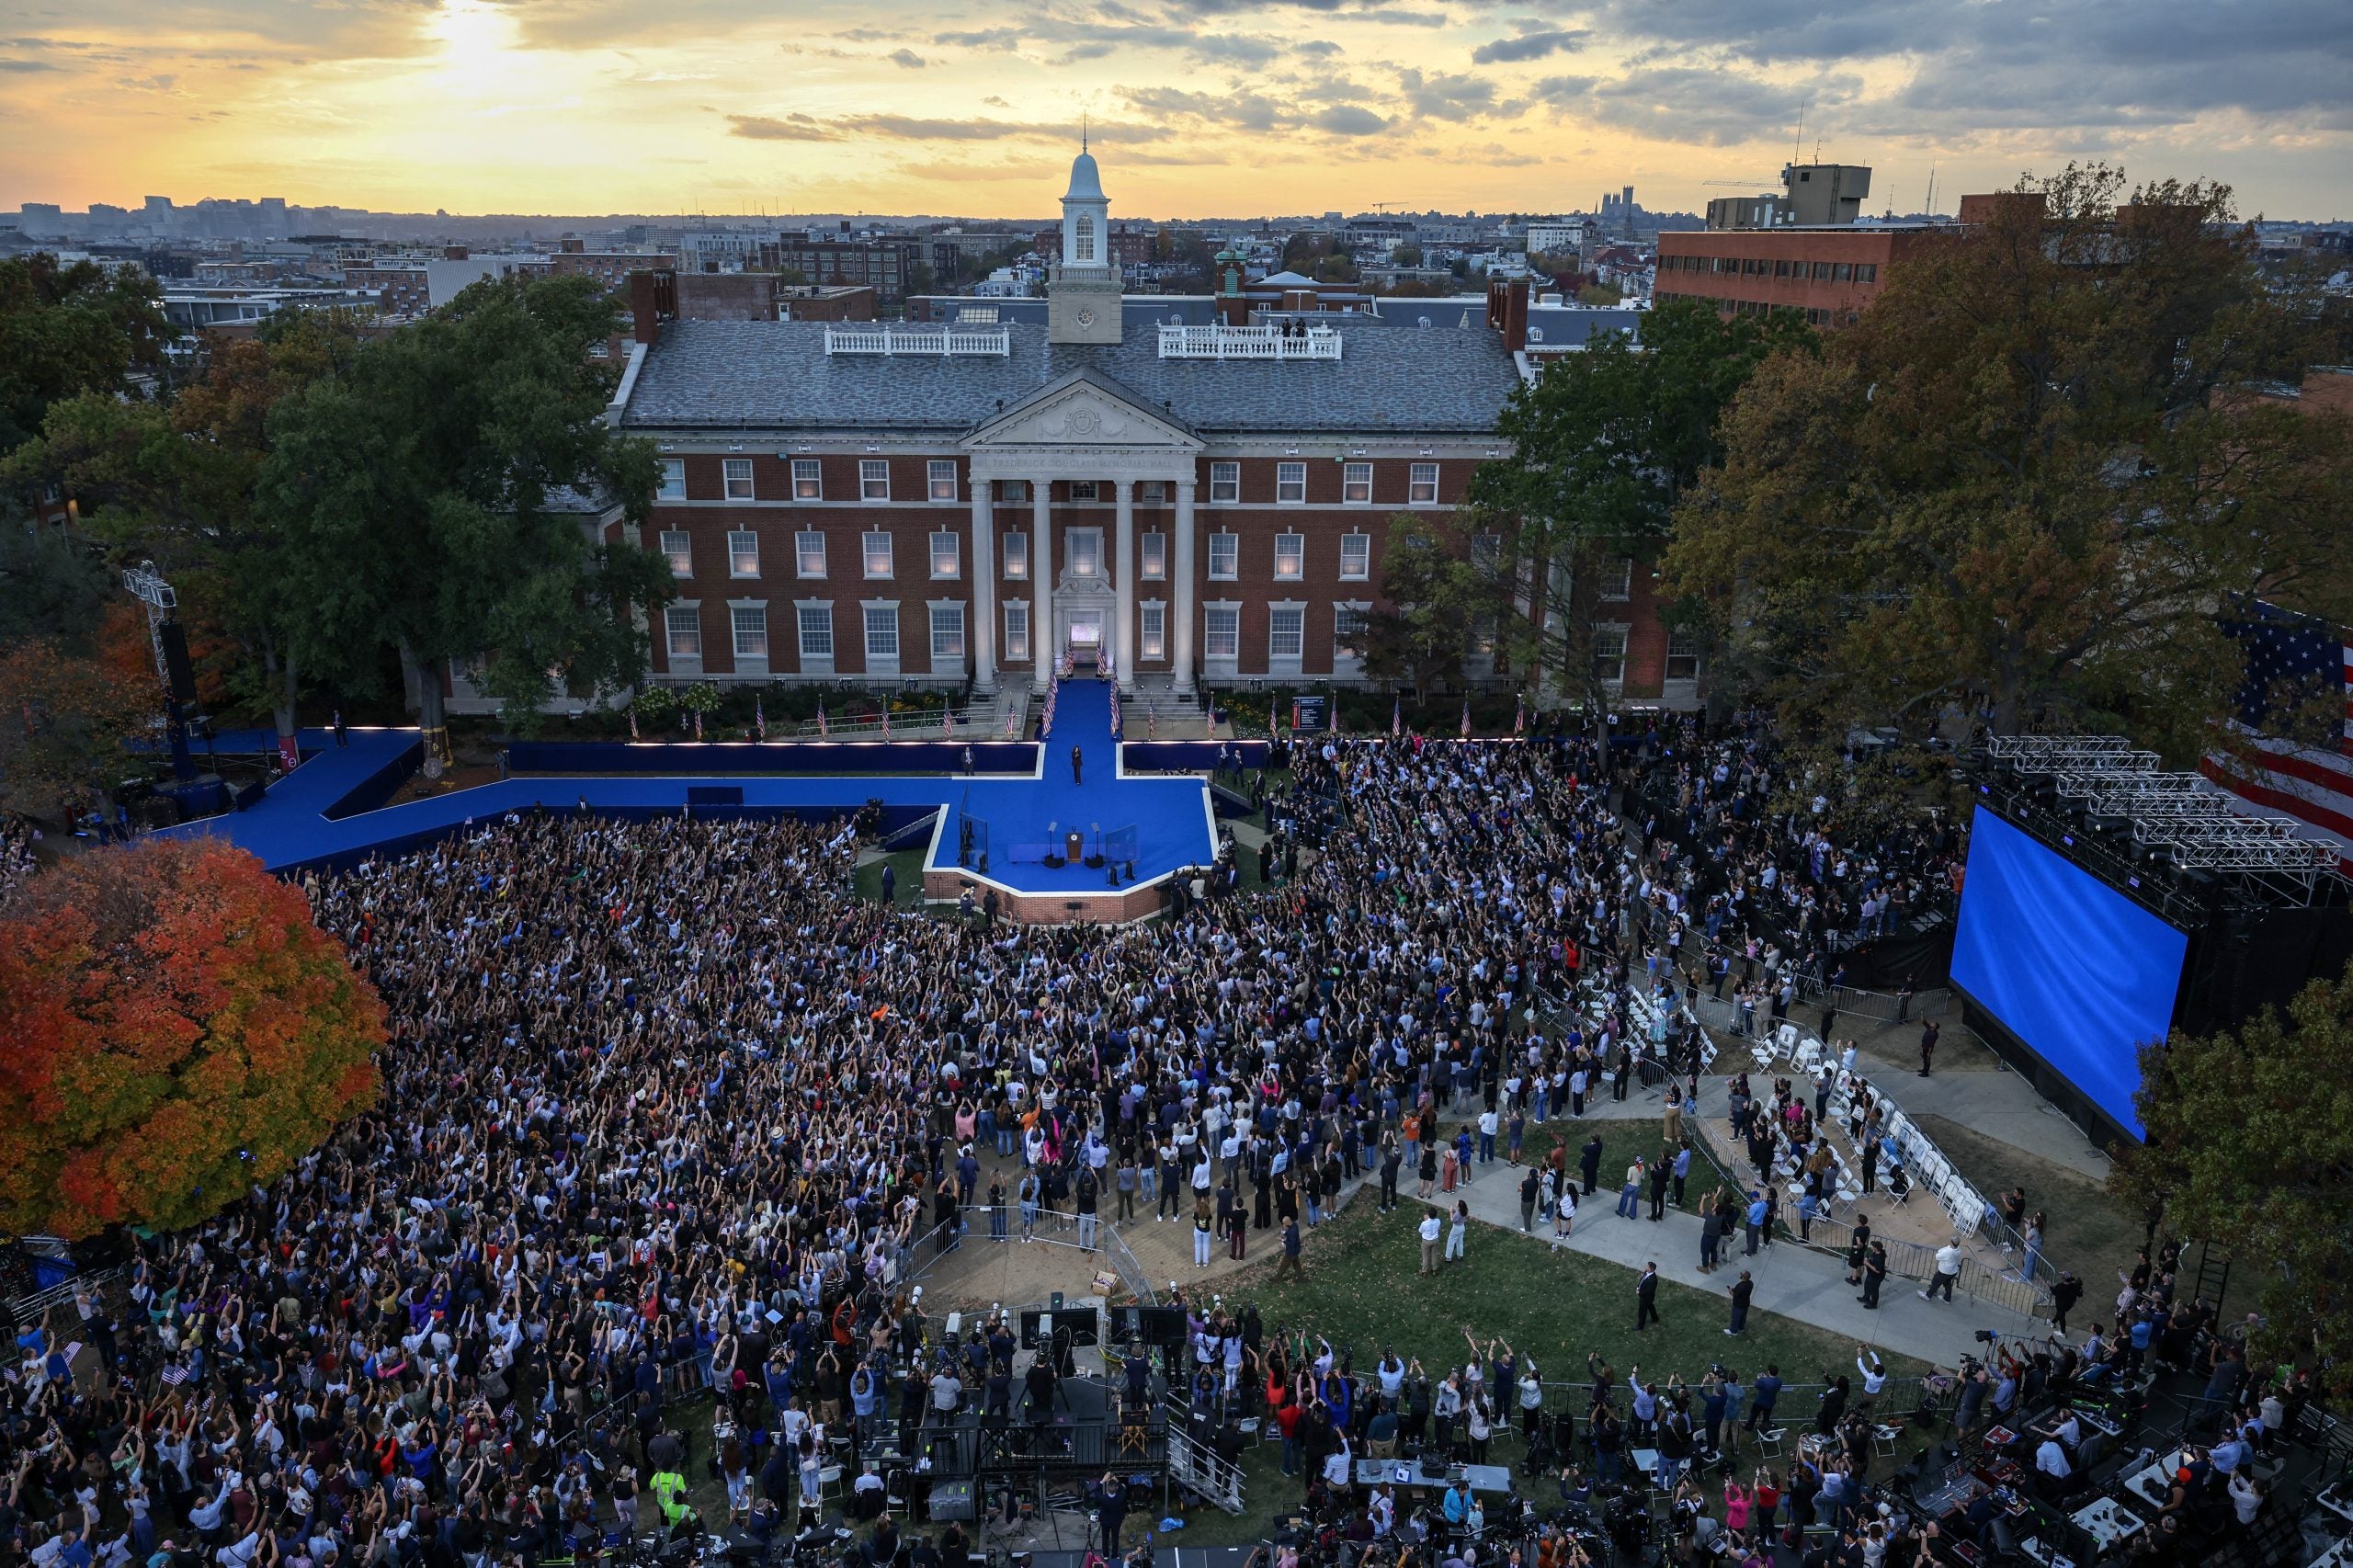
(1199, 106)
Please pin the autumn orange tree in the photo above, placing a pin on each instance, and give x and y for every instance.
(178, 1032)
(64, 719)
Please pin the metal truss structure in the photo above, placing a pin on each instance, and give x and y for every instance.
(2179, 822)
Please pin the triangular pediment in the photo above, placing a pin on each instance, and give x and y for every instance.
(1085, 408)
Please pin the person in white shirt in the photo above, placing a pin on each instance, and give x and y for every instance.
(2246, 1497)
(1432, 1229)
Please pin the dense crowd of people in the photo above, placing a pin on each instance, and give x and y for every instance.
(668, 1110)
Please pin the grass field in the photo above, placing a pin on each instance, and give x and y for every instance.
(2089, 1231)
(1362, 1293)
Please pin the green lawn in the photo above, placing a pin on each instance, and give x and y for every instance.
(1362, 1292)
(907, 868)
(2089, 1231)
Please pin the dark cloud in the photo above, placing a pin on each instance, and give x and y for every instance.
(908, 58)
(23, 66)
(1347, 120)
(1235, 111)
(1716, 108)
(791, 127)
(1529, 46)
(1451, 96)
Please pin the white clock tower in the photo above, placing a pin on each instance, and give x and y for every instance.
(1083, 296)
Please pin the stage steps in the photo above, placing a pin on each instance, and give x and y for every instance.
(1202, 1472)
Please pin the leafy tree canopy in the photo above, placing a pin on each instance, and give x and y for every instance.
(179, 1033)
(68, 328)
(2248, 1144)
(422, 497)
(2028, 478)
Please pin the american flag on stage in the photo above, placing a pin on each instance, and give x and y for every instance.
(760, 718)
(823, 730)
(1466, 715)
(1519, 714)
(1115, 711)
(886, 718)
(1396, 716)
(2299, 676)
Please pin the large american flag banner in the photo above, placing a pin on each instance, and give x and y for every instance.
(2301, 663)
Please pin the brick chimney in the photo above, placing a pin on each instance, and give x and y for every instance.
(652, 300)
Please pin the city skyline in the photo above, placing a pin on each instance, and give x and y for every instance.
(1201, 107)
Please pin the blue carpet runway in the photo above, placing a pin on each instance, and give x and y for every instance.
(329, 812)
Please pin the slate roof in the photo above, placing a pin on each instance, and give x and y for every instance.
(776, 376)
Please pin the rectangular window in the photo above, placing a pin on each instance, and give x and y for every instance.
(1082, 490)
(807, 480)
(1154, 556)
(673, 480)
(1084, 546)
(1425, 483)
(1356, 557)
(1683, 653)
(1609, 654)
(679, 552)
(1154, 492)
(737, 472)
(1290, 556)
(1225, 481)
(1355, 484)
(873, 480)
(943, 479)
(1290, 482)
(1226, 551)
(1017, 631)
(683, 625)
(1844, 273)
(751, 631)
(947, 632)
(1017, 556)
(1223, 637)
(1486, 551)
(1615, 578)
(1348, 627)
(1822, 272)
(1780, 269)
(877, 550)
(947, 555)
(742, 553)
(1151, 627)
(1286, 632)
(1012, 491)
(1866, 272)
(882, 633)
(808, 553)
(817, 633)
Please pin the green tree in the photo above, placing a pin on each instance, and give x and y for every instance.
(68, 328)
(2027, 478)
(1603, 445)
(2247, 1145)
(52, 586)
(1600, 294)
(1437, 601)
(176, 481)
(1406, 255)
(418, 495)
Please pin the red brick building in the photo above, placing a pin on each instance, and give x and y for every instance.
(1198, 501)
(1829, 274)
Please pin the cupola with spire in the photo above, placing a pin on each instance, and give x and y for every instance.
(1083, 296)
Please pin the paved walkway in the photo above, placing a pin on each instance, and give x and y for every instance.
(1983, 1096)
(1810, 1287)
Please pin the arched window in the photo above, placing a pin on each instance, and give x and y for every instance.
(1083, 239)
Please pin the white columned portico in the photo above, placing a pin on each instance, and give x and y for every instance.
(1181, 642)
(1045, 653)
(1124, 584)
(984, 592)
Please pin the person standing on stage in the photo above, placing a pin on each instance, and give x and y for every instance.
(1078, 761)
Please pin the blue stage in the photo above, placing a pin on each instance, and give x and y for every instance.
(329, 812)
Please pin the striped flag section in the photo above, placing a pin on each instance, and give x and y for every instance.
(2291, 656)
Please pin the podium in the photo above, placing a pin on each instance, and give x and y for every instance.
(1075, 846)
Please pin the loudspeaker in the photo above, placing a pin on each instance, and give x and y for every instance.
(181, 677)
